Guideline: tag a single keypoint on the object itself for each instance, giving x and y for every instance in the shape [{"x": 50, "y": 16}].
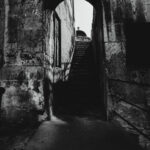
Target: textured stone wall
[
  {"x": 26, "y": 50},
  {"x": 2, "y": 22},
  {"x": 128, "y": 88},
  {"x": 22, "y": 72}
]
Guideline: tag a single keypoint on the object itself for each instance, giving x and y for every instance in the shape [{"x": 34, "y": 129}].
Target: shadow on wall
[
  {"x": 48, "y": 96},
  {"x": 2, "y": 91}
]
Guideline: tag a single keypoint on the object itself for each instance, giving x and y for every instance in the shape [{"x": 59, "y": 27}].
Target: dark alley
[{"x": 74, "y": 75}]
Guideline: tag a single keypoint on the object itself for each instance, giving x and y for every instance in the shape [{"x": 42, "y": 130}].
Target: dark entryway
[
  {"x": 84, "y": 92},
  {"x": 80, "y": 95}
]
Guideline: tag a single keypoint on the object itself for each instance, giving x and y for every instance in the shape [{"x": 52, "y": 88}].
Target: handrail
[
  {"x": 139, "y": 131},
  {"x": 122, "y": 99},
  {"x": 128, "y": 122}
]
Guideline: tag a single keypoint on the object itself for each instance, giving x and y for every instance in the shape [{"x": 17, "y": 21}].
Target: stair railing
[{"x": 115, "y": 113}]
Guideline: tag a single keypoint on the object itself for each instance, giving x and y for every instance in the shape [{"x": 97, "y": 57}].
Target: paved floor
[
  {"x": 15, "y": 138},
  {"x": 80, "y": 134}
]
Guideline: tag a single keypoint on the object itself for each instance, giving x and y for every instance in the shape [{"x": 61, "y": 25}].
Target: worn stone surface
[
  {"x": 23, "y": 99},
  {"x": 21, "y": 75},
  {"x": 26, "y": 57},
  {"x": 2, "y": 24},
  {"x": 24, "y": 43}
]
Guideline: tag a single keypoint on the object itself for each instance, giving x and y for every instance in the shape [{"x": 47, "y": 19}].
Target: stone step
[{"x": 82, "y": 43}]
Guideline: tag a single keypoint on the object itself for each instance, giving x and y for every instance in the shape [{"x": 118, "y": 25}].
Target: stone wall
[
  {"x": 2, "y": 14},
  {"x": 26, "y": 50},
  {"x": 128, "y": 87},
  {"x": 22, "y": 72}
]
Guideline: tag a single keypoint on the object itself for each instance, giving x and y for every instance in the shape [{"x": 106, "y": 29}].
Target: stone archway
[
  {"x": 98, "y": 48},
  {"x": 49, "y": 4}
]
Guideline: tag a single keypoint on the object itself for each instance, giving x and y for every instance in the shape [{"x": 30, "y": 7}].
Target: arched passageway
[
  {"x": 124, "y": 84},
  {"x": 95, "y": 55},
  {"x": 26, "y": 66},
  {"x": 49, "y": 4}
]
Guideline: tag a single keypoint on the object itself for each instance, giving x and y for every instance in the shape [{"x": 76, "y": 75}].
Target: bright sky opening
[{"x": 83, "y": 16}]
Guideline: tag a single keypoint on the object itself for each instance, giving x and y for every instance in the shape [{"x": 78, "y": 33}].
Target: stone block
[
  {"x": 21, "y": 100},
  {"x": 21, "y": 73}
]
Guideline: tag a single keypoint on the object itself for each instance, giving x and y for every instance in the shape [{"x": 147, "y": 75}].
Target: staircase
[{"x": 80, "y": 94}]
